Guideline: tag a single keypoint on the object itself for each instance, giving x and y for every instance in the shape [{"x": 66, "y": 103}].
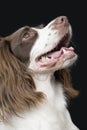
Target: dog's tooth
[
  {"x": 40, "y": 59},
  {"x": 64, "y": 51},
  {"x": 52, "y": 58},
  {"x": 47, "y": 58},
  {"x": 43, "y": 58}
]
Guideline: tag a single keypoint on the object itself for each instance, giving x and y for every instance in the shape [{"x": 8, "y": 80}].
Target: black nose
[{"x": 62, "y": 20}]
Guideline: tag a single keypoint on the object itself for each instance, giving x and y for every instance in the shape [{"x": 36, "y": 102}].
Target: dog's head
[{"x": 44, "y": 49}]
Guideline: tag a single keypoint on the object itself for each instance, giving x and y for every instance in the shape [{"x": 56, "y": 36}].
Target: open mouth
[{"x": 61, "y": 51}]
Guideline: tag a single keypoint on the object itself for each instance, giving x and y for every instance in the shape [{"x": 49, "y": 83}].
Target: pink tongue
[{"x": 54, "y": 54}]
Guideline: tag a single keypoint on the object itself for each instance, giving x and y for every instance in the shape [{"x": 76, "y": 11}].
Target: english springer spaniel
[{"x": 35, "y": 79}]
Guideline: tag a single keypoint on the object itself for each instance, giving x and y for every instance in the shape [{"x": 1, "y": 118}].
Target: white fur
[{"x": 53, "y": 113}]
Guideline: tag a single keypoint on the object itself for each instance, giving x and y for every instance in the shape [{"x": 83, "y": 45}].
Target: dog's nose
[{"x": 62, "y": 20}]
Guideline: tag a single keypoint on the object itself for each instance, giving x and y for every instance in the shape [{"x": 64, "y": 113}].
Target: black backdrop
[{"x": 15, "y": 14}]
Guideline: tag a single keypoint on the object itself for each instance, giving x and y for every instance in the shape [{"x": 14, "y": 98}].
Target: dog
[{"x": 35, "y": 80}]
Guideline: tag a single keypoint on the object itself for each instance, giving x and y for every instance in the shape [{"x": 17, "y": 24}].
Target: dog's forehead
[
  {"x": 22, "y": 29},
  {"x": 30, "y": 28}
]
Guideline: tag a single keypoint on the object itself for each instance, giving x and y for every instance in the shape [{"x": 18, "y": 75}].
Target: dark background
[{"x": 15, "y": 14}]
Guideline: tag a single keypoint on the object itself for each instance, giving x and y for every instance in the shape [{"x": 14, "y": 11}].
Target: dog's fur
[{"x": 35, "y": 81}]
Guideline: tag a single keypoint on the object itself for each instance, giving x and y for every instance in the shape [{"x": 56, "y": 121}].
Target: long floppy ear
[
  {"x": 17, "y": 88},
  {"x": 64, "y": 76}
]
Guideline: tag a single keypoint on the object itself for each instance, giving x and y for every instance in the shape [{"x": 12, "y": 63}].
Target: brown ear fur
[
  {"x": 65, "y": 77},
  {"x": 17, "y": 88}
]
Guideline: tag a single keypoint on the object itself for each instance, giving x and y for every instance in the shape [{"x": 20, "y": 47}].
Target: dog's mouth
[{"x": 58, "y": 53}]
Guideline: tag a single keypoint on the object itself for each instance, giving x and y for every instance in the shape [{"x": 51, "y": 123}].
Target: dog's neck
[
  {"x": 47, "y": 84},
  {"x": 42, "y": 77}
]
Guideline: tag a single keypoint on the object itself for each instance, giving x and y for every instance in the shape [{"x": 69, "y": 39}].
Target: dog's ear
[
  {"x": 17, "y": 88},
  {"x": 21, "y": 42},
  {"x": 2, "y": 42},
  {"x": 64, "y": 76},
  {"x": 40, "y": 26}
]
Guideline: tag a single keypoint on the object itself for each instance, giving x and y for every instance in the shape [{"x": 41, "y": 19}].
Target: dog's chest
[{"x": 48, "y": 115}]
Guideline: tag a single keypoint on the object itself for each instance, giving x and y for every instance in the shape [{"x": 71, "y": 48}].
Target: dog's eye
[{"x": 26, "y": 35}]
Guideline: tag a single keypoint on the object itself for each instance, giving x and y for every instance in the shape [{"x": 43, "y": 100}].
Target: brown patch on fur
[
  {"x": 17, "y": 88},
  {"x": 65, "y": 77}
]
